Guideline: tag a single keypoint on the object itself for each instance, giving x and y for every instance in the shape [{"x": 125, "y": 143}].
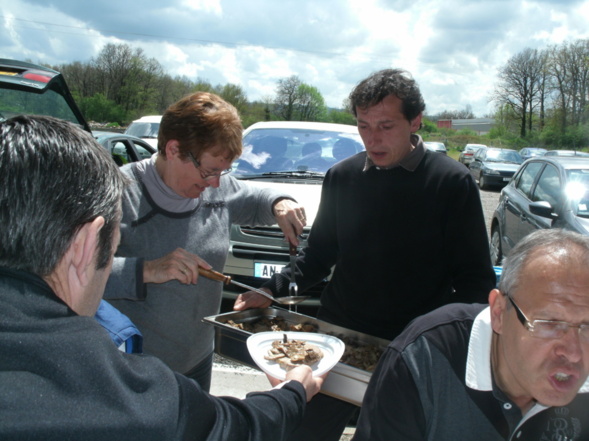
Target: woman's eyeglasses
[{"x": 207, "y": 176}]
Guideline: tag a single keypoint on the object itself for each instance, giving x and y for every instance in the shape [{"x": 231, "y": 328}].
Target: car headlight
[{"x": 490, "y": 171}]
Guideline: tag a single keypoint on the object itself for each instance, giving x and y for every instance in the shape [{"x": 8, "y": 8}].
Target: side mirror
[{"x": 543, "y": 209}]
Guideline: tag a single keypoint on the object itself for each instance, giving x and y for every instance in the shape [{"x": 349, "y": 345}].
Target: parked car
[
  {"x": 31, "y": 89},
  {"x": 293, "y": 157},
  {"x": 467, "y": 154},
  {"x": 565, "y": 153},
  {"x": 124, "y": 148},
  {"x": 147, "y": 128},
  {"x": 547, "y": 192},
  {"x": 531, "y": 152},
  {"x": 494, "y": 167},
  {"x": 436, "y": 147}
]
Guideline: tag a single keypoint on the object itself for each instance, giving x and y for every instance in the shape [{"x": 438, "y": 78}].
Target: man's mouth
[{"x": 561, "y": 377}]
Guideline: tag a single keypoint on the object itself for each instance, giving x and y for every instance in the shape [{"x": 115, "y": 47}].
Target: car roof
[
  {"x": 149, "y": 118},
  {"x": 303, "y": 125},
  {"x": 567, "y": 162}
]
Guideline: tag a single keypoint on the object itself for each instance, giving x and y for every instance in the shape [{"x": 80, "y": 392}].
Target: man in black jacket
[
  {"x": 403, "y": 226},
  {"x": 61, "y": 377}
]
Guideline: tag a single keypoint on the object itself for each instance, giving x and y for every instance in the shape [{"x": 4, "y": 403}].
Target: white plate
[{"x": 259, "y": 344}]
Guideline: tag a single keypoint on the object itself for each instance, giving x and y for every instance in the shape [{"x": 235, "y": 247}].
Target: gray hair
[
  {"x": 567, "y": 245},
  {"x": 54, "y": 178}
]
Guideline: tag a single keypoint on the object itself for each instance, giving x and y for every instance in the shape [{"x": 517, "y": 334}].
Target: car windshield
[
  {"x": 577, "y": 191},
  {"x": 143, "y": 129},
  {"x": 295, "y": 151},
  {"x": 504, "y": 156},
  {"x": 21, "y": 102}
]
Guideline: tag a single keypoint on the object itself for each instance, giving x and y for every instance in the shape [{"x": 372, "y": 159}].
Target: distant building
[{"x": 481, "y": 126}]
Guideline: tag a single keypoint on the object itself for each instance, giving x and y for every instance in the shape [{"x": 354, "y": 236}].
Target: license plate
[
  {"x": 506, "y": 179},
  {"x": 266, "y": 270}
]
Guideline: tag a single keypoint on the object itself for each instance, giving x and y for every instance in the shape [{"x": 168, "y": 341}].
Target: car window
[
  {"x": 283, "y": 149},
  {"x": 143, "y": 152},
  {"x": 577, "y": 190},
  {"x": 20, "y": 102},
  {"x": 143, "y": 129},
  {"x": 549, "y": 187},
  {"x": 120, "y": 152},
  {"x": 526, "y": 178}
]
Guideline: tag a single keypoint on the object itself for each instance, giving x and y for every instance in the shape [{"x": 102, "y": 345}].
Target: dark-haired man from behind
[{"x": 61, "y": 376}]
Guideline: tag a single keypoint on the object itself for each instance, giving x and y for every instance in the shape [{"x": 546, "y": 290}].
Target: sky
[{"x": 453, "y": 48}]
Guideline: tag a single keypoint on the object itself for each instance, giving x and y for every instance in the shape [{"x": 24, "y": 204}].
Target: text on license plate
[
  {"x": 266, "y": 270},
  {"x": 506, "y": 179}
]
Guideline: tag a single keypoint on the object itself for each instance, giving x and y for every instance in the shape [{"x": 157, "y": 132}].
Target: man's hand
[
  {"x": 304, "y": 375},
  {"x": 250, "y": 299},
  {"x": 178, "y": 265},
  {"x": 291, "y": 219}
]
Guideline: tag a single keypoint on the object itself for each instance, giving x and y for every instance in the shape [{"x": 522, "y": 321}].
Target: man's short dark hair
[
  {"x": 54, "y": 179},
  {"x": 383, "y": 83}
]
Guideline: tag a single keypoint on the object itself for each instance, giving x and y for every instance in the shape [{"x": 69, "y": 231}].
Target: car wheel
[
  {"x": 482, "y": 182},
  {"x": 495, "y": 247}
]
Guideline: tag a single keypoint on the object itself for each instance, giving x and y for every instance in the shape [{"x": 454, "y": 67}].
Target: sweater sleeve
[
  {"x": 468, "y": 247},
  {"x": 261, "y": 416},
  {"x": 315, "y": 261},
  {"x": 126, "y": 279},
  {"x": 250, "y": 203}
]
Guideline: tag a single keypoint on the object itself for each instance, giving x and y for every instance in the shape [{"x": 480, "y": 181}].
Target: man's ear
[
  {"x": 416, "y": 123},
  {"x": 497, "y": 303},
  {"x": 83, "y": 253}
]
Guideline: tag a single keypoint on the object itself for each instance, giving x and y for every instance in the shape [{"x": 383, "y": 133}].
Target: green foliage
[
  {"x": 428, "y": 126},
  {"x": 341, "y": 117},
  {"x": 100, "y": 109}
]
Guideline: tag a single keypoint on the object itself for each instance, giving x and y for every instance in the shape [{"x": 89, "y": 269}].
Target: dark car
[
  {"x": 31, "y": 89},
  {"x": 547, "y": 192},
  {"x": 124, "y": 148},
  {"x": 494, "y": 167},
  {"x": 531, "y": 152}
]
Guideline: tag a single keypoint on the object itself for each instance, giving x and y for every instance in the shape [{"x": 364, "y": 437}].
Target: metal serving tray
[{"x": 345, "y": 382}]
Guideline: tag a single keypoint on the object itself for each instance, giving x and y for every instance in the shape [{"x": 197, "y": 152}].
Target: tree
[
  {"x": 234, "y": 94},
  {"x": 296, "y": 100},
  {"x": 287, "y": 95},
  {"x": 310, "y": 105},
  {"x": 520, "y": 82}
]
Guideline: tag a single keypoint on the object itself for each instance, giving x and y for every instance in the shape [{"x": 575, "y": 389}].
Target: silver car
[{"x": 293, "y": 157}]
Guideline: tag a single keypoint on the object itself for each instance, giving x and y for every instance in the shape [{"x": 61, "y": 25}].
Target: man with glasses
[
  {"x": 516, "y": 369},
  {"x": 177, "y": 215}
]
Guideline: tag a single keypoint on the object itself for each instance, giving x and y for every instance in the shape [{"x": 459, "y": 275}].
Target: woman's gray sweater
[{"x": 170, "y": 314}]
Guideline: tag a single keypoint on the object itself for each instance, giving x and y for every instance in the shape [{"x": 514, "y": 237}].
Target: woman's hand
[{"x": 178, "y": 265}]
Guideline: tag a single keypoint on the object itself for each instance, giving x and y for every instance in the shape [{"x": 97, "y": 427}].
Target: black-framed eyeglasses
[
  {"x": 207, "y": 176},
  {"x": 549, "y": 329}
]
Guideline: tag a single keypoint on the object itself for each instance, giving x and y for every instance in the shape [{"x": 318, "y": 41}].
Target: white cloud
[{"x": 452, "y": 47}]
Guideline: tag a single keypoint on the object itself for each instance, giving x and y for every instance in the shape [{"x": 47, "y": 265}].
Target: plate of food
[{"x": 277, "y": 352}]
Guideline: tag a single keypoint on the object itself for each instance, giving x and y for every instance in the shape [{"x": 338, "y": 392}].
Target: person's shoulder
[
  {"x": 354, "y": 163},
  {"x": 444, "y": 164},
  {"x": 447, "y": 322}
]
